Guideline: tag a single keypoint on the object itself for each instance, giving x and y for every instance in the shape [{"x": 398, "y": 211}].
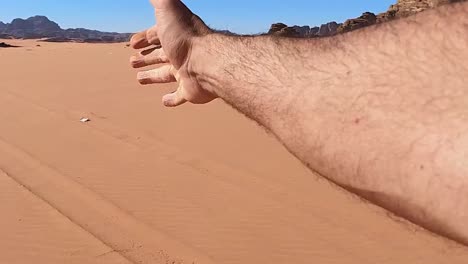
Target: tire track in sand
[
  {"x": 118, "y": 230},
  {"x": 34, "y": 232}
]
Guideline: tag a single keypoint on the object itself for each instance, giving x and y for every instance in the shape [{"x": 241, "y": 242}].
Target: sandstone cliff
[{"x": 402, "y": 8}]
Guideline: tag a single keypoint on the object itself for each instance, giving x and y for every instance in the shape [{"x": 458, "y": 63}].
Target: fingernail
[
  {"x": 135, "y": 61},
  {"x": 142, "y": 78},
  {"x": 167, "y": 101}
]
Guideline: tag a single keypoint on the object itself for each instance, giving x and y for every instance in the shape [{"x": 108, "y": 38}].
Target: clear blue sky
[{"x": 242, "y": 16}]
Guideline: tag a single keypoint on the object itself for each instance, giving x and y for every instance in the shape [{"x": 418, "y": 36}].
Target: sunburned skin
[{"x": 379, "y": 111}]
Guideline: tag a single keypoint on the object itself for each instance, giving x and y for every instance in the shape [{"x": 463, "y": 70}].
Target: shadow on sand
[{"x": 5, "y": 45}]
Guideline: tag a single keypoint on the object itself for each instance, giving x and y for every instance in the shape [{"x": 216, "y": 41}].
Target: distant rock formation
[
  {"x": 275, "y": 28},
  {"x": 280, "y": 29},
  {"x": 39, "y": 27},
  {"x": 402, "y": 8},
  {"x": 328, "y": 29},
  {"x": 225, "y": 32},
  {"x": 366, "y": 19}
]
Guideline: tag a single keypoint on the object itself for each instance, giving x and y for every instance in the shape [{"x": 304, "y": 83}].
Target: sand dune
[{"x": 144, "y": 184}]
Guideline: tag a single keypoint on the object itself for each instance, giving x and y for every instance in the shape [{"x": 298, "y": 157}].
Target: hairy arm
[{"x": 382, "y": 112}]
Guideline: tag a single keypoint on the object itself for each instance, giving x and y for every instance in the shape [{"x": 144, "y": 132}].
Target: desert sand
[{"x": 140, "y": 183}]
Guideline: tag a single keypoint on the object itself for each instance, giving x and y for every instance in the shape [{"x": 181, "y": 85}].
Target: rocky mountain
[
  {"x": 38, "y": 27},
  {"x": 402, "y": 8},
  {"x": 324, "y": 30},
  {"x": 366, "y": 19}
]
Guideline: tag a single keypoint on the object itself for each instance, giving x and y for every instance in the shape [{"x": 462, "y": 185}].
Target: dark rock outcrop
[
  {"x": 302, "y": 31},
  {"x": 38, "y": 27},
  {"x": 366, "y": 19},
  {"x": 277, "y": 27},
  {"x": 280, "y": 29},
  {"x": 404, "y": 8},
  {"x": 328, "y": 29},
  {"x": 33, "y": 27}
]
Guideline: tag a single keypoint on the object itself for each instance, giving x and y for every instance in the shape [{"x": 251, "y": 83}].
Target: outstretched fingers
[
  {"x": 139, "y": 40},
  {"x": 164, "y": 74},
  {"x": 145, "y": 38},
  {"x": 149, "y": 57}
]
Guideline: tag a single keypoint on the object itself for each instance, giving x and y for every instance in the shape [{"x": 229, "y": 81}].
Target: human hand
[{"x": 170, "y": 42}]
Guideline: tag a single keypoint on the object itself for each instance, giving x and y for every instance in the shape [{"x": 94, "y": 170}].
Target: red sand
[{"x": 145, "y": 184}]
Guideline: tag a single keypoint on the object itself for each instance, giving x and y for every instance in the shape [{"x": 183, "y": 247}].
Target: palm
[{"x": 176, "y": 27}]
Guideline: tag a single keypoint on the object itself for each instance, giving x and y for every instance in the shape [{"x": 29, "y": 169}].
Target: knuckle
[{"x": 152, "y": 36}]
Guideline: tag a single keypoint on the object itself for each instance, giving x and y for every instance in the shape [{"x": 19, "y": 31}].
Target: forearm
[{"x": 381, "y": 112}]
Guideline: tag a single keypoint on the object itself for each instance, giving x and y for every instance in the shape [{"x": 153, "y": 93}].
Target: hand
[{"x": 171, "y": 43}]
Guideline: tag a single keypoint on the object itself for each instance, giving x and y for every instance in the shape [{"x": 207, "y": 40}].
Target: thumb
[
  {"x": 175, "y": 99},
  {"x": 171, "y": 6},
  {"x": 176, "y": 11},
  {"x": 162, "y": 4}
]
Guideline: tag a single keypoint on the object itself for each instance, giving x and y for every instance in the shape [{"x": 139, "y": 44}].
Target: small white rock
[{"x": 85, "y": 120}]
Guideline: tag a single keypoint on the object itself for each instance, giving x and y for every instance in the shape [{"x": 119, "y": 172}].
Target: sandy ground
[{"x": 144, "y": 184}]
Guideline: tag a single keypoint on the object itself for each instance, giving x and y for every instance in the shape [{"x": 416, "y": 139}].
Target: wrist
[{"x": 207, "y": 61}]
